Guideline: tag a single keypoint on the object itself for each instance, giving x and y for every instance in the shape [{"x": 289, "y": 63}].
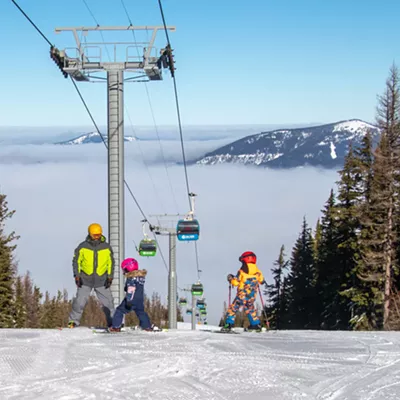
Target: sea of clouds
[{"x": 57, "y": 191}]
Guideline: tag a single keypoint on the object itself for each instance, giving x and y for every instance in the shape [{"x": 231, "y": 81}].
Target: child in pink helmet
[{"x": 134, "y": 299}]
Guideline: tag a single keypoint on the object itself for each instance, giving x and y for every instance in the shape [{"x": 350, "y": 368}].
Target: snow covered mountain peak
[
  {"x": 353, "y": 125},
  {"x": 323, "y": 145},
  {"x": 91, "y": 137}
]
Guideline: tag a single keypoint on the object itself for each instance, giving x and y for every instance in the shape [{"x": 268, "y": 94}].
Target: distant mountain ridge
[
  {"x": 91, "y": 137},
  {"x": 324, "y": 145}
]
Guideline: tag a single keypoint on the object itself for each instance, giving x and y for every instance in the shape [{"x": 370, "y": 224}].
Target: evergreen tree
[
  {"x": 274, "y": 291},
  {"x": 28, "y": 299},
  {"x": 380, "y": 221},
  {"x": 35, "y": 307},
  {"x": 389, "y": 121},
  {"x": 19, "y": 305},
  {"x": 355, "y": 195},
  {"x": 46, "y": 313},
  {"x": 317, "y": 238},
  {"x": 300, "y": 287},
  {"x": 364, "y": 155},
  {"x": 285, "y": 301},
  {"x": 351, "y": 191},
  {"x": 328, "y": 278},
  {"x": 60, "y": 312},
  {"x": 7, "y": 267}
]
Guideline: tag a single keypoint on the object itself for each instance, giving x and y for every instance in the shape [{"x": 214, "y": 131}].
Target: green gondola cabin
[{"x": 148, "y": 248}]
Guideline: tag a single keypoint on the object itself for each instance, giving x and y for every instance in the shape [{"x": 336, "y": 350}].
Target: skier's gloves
[
  {"x": 108, "y": 283},
  {"x": 230, "y": 277},
  {"x": 78, "y": 281}
]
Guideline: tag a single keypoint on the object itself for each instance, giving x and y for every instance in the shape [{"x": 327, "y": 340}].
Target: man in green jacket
[{"x": 93, "y": 268}]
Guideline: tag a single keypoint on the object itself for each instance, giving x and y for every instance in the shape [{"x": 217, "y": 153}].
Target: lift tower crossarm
[{"x": 155, "y": 29}]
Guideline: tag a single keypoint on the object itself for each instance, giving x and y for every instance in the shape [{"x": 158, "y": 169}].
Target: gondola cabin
[
  {"x": 188, "y": 229},
  {"x": 182, "y": 302},
  {"x": 189, "y": 312},
  {"x": 203, "y": 312},
  {"x": 197, "y": 289},
  {"x": 147, "y": 248},
  {"x": 201, "y": 304}
]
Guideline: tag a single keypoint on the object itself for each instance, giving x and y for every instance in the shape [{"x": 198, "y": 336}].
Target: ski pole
[
  {"x": 263, "y": 308},
  {"x": 230, "y": 290}
]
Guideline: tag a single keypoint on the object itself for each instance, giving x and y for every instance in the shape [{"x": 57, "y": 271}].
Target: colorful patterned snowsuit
[{"x": 247, "y": 280}]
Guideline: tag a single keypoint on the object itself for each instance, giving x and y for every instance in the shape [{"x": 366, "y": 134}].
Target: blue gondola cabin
[{"x": 188, "y": 230}]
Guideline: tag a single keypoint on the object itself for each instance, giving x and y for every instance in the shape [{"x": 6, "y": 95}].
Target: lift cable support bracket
[{"x": 78, "y": 63}]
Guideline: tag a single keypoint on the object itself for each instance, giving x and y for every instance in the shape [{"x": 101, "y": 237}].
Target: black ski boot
[{"x": 255, "y": 328}]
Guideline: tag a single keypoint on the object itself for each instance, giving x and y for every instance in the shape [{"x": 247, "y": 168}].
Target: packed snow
[{"x": 72, "y": 364}]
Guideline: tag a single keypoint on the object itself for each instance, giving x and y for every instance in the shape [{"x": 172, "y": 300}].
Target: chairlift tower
[
  {"x": 193, "y": 308},
  {"x": 172, "y": 278},
  {"x": 78, "y": 64}
]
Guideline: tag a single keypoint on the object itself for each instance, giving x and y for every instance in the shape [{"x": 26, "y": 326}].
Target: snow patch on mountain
[{"x": 333, "y": 153}]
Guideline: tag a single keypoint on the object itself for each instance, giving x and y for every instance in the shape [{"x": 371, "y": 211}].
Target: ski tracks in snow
[
  {"x": 184, "y": 365},
  {"x": 378, "y": 372}
]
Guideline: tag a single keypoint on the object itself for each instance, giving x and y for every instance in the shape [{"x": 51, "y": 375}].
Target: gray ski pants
[{"x": 82, "y": 296}]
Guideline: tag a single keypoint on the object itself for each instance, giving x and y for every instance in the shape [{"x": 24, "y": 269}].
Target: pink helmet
[{"x": 129, "y": 264}]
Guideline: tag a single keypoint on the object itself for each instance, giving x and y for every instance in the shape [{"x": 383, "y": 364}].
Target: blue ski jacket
[{"x": 134, "y": 287}]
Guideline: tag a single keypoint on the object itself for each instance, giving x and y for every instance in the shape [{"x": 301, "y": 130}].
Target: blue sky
[{"x": 258, "y": 62}]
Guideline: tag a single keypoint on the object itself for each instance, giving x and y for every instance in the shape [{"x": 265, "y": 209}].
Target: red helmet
[{"x": 248, "y": 257}]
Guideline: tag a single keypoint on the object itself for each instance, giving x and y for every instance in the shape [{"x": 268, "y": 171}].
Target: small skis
[
  {"x": 256, "y": 330},
  {"x": 233, "y": 331},
  {"x": 229, "y": 331}
]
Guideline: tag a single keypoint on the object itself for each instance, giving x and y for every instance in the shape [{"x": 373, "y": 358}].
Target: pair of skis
[
  {"x": 123, "y": 330},
  {"x": 233, "y": 331}
]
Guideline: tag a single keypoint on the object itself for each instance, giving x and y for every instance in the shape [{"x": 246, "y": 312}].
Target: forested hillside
[{"x": 344, "y": 274}]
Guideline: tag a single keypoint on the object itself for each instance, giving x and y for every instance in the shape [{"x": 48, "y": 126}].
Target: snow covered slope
[
  {"x": 185, "y": 365},
  {"x": 324, "y": 145},
  {"x": 92, "y": 137}
]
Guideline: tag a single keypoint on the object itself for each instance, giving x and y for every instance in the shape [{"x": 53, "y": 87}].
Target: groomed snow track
[{"x": 184, "y": 365}]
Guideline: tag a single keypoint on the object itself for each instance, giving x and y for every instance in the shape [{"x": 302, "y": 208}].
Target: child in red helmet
[
  {"x": 247, "y": 280},
  {"x": 134, "y": 299}
]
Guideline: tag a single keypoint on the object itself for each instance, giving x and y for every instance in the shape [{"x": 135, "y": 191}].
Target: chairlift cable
[
  {"x": 180, "y": 131},
  {"x": 177, "y": 110},
  {"x": 127, "y": 112},
  {"x": 34, "y": 25},
  {"x": 152, "y": 114}
]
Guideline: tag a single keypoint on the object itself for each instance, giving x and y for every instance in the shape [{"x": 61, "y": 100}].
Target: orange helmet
[
  {"x": 95, "y": 230},
  {"x": 248, "y": 257}
]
